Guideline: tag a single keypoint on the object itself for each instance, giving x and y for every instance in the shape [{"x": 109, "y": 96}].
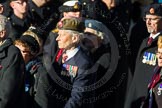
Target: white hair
[{"x": 3, "y": 22}]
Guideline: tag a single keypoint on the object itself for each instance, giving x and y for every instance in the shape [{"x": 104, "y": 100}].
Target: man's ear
[
  {"x": 12, "y": 4},
  {"x": 75, "y": 38},
  {"x": 2, "y": 33},
  {"x": 1, "y": 9}
]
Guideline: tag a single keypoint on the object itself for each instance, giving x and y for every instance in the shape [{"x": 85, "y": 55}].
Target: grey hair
[
  {"x": 74, "y": 33},
  {"x": 4, "y": 24}
]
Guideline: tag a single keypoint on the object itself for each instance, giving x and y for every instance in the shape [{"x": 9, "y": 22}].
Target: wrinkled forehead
[
  {"x": 20, "y": 0},
  {"x": 63, "y": 31},
  {"x": 152, "y": 16}
]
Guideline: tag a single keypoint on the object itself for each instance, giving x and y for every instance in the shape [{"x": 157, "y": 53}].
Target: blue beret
[
  {"x": 94, "y": 24},
  {"x": 97, "y": 28}
]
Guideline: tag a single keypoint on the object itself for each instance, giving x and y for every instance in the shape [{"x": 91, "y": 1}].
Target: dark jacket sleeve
[
  {"x": 81, "y": 91},
  {"x": 11, "y": 79}
]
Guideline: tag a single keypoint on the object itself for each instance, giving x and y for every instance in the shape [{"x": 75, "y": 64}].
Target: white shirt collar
[
  {"x": 154, "y": 36},
  {"x": 71, "y": 53}
]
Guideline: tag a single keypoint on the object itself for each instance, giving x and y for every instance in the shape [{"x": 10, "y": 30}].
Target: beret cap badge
[
  {"x": 90, "y": 25},
  {"x": 60, "y": 24},
  {"x": 152, "y": 11},
  {"x": 76, "y": 6}
]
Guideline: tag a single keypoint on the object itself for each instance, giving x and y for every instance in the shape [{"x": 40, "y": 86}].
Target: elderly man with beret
[
  {"x": 146, "y": 59},
  {"x": 67, "y": 82},
  {"x": 70, "y": 8}
]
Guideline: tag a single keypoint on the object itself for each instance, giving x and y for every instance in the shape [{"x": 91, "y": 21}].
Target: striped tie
[{"x": 150, "y": 39}]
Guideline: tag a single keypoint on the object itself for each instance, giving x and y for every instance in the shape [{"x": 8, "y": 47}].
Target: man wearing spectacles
[
  {"x": 152, "y": 19},
  {"x": 146, "y": 59},
  {"x": 20, "y": 22}
]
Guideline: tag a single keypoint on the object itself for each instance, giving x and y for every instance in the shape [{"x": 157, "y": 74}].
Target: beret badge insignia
[
  {"x": 152, "y": 11},
  {"x": 76, "y": 6}
]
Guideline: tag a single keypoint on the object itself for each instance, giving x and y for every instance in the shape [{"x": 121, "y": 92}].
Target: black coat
[
  {"x": 154, "y": 97},
  {"x": 51, "y": 92},
  {"x": 44, "y": 18},
  {"x": 11, "y": 76},
  {"x": 34, "y": 69},
  {"x": 18, "y": 26},
  {"x": 142, "y": 75}
]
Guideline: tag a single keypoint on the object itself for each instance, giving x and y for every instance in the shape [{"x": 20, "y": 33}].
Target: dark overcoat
[
  {"x": 11, "y": 76},
  {"x": 142, "y": 75},
  {"x": 61, "y": 89}
]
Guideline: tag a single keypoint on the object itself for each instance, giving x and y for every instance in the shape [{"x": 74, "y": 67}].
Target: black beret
[
  {"x": 153, "y": 9},
  {"x": 75, "y": 24},
  {"x": 31, "y": 42},
  {"x": 70, "y": 6}
]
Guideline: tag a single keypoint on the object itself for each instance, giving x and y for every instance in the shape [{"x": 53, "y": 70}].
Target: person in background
[
  {"x": 32, "y": 32},
  {"x": 44, "y": 15},
  {"x": 29, "y": 48},
  {"x": 4, "y": 8},
  {"x": 146, "y": 58},
  {"x": 20, "y": 22},
  {"x": 11, "y": 70},
  {"x": 100, "y": 43},
  {"x": 95, "y": 40},
  {"x": 71, "y": 8},
  {"x": 155, "y": 85}
]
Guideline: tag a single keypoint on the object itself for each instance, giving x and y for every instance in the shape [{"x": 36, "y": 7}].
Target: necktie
[
  {"x": 64, "y": 57},
  {"x": 59, "y": 54},
  {"x": 150, "y": 39}
]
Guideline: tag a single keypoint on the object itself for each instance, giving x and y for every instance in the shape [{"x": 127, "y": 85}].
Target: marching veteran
[
  {"x": 67, "y": 83},
  {"x": 146, "y": 59}
]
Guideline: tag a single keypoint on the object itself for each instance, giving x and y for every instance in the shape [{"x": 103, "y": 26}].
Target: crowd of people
[{"x": 80, "y": 54}]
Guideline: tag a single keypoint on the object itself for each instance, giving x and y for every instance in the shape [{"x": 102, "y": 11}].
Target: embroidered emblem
[
  {"x": 152, "y": 11},
  {"x": 149, "y": 58},
  {"x": 159, "y": 90},
  {"x": 90, "y": 25},
  {"x": 69, "y": 70}
]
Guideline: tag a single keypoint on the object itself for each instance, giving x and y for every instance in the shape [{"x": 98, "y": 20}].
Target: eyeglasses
[
  {"x": 152, "y": 19},
  {"x": 20, "y": 2}
]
